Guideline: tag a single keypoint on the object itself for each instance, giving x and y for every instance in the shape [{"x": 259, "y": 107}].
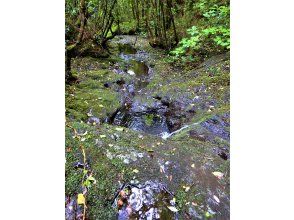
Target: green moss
[
  {"x": 148, "y": 119},
  {"x": 91, "y": 95},
  {"x": 106, "y": 172}
]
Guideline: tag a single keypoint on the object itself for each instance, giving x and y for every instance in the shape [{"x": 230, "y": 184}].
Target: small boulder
[{"x": 94, "y": 120}]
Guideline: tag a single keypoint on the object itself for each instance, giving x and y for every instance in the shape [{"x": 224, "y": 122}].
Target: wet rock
[
  {"x": 73, "y": 211},
  {"x": 106, "y": 85},
  {"x": 146, "y": 201},
  {"x": 80, "y": 165},
  {"x": 70, "y": 209},
  {"x": 198, "y": 135},
  {"x": 165, "y": 102},
  {"x": 223, "y": 152},
  {"x": 194, "y": 214},
  {"x": 124, "y": 214},
  {"x": 126, "y": 48},
  {"x": 131, "y": 89},
  {"x": 157, "y": 97},
  {"x": 223, "y": 155},
  {"x": 94, "y": 120},
  {"x": 120, "y": 81},
  {"x": 174, "y": 123},
  {"x": 217, "y": 126}
]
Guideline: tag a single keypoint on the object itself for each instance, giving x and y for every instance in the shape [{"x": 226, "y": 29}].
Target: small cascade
[{"x": 166, "y": 135}]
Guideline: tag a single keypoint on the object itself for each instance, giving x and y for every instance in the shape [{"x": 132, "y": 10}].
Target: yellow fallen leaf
[
  {"x": 119, "y": 129},
  {"x": 103, "y": 136},
  {"x": 81, "y": 199}
]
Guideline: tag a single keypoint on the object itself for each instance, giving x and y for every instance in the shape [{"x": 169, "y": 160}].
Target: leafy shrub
[{"x": 213, "y": 37}]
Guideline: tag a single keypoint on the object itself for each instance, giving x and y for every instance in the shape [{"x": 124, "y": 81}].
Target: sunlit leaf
[{"x": 81, "y": 199}]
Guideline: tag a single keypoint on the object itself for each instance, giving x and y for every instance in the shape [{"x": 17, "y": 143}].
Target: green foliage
[{"x": 210, "y": 35}]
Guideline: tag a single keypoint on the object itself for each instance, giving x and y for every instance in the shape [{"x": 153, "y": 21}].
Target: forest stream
[{"x": 153, "y": 147}]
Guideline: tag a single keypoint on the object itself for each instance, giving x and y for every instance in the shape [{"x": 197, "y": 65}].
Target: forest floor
[{"x": 150, "y": 139}]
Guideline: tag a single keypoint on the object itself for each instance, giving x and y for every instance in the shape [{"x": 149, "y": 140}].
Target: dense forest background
[{"x": 188, "y": 30}]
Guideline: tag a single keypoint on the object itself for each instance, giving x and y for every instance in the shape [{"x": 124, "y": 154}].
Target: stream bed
[{"x": 169, "y": 130}]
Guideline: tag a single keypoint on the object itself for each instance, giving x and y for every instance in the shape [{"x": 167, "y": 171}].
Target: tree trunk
[{"x": 71, "y": 49}]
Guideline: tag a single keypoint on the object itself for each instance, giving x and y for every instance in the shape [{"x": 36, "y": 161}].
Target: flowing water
[
  {"x": 145, "y": 201},
  {"x": 152, "y": 120},
  {"x": 149, "y": 200}
]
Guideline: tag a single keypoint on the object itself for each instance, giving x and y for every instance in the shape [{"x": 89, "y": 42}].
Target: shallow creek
[{"x": 185, "y": 164}]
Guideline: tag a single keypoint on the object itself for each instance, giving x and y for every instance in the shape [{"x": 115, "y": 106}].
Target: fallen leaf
[
  {"x": 120, "y": 203},
  {"x": 119, "y": 129},
  {"x": 193, "y": 165},
  {"x": 103, "y": 136},
  {"x": 216, "y": 199},
  {"x": 218, "y": 174},
  {"x": 187, "y": 188},
  {"x": 81, "y": 199},
  {"x": 131, "y": 72},
  {"x": 135, "y": 171},
  {"x": 173, "y": 209},
  {"x": 101, "y": 106}
]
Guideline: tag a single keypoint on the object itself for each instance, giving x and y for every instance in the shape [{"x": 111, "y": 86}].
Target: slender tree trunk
[
  {"x": 71, "y": 49},
  {"x": 163, "y": 24},
  {"x": 169, "y": 4}
]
